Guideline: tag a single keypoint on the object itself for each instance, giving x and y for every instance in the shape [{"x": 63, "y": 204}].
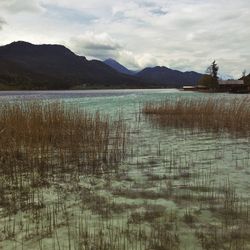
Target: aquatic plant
[{"x": 208, "y": 114}]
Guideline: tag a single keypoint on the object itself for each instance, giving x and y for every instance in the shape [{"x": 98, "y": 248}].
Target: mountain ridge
[
  {"x": 160, "y": 75},
  {"x": 169, "y": 77},
  {"x": 24, "y": 65},
  {"x": 56, "y": 67},
  {"x": 119, "y": 67}
]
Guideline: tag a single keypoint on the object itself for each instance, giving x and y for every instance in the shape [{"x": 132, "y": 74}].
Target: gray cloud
[
  {"x": 154, "y": 7},
  {"x": 103, "y": 46},
  {"x": 16, "y": 6},
  {"x": 2, "y": 22},
  {"x": 159, "y": 11},
  {"x": 69, "y": 14},
  {"x": 183, "y": 34},
  {"x": 94, "y": 45}
]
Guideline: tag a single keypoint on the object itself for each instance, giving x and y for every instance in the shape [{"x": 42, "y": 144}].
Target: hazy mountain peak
[
  {"x": 111, "y": 60},
  {"x": 118, "y": 67}
]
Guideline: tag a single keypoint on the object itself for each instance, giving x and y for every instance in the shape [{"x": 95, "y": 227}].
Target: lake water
[
  {"x": 230, "y": 156},
  {"x": 194, "y": 165}
]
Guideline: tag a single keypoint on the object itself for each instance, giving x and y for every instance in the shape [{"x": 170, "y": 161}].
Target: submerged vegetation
[
  {"x": 72, "y": 179},
  {"x": 207, "y": 114}
]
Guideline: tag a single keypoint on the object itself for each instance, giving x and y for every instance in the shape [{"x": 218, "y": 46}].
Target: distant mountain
[
  {"x": 28, "y": 66},
  {"x": 118, "y": 67},
  {"x": 169, "y": 77},
  {"x": 159, "y": 75}
]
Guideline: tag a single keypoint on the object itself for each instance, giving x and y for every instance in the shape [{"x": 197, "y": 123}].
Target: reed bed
[
  {"x": 64, "y": 184},
  {"x": 207, "y": 114},
  {"x": 45, "y": 151},
  {"x": 50, "y": 137},
  {"x": 42, "y": 145}
]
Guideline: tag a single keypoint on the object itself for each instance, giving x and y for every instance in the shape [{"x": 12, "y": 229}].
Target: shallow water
[
  {"x": 232, "y": 154},
  {"x": 192, "y": 163}
]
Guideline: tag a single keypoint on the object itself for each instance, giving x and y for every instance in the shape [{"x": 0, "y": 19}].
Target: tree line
[{"x": 211, "y": 78}]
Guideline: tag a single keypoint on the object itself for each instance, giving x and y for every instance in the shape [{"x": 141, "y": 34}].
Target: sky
[{"x": 179, "y": 34}]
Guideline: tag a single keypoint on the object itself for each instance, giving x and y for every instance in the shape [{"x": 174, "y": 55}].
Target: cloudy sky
[{"x": 180, "y": 34}]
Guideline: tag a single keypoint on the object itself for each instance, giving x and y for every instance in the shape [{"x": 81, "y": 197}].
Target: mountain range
[
  {"x": 27, "y": 66},
  {"x": 162, "y": 76},
  {"x": 118, "y": 67},
  {"x": 169, "y": 77}
]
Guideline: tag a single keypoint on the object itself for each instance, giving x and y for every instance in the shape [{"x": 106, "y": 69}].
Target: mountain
[
  {"x": 27, "y": 66},
  {"x": 118, "y": 67},
  {"x": 168, "y": 77},
  {"x": 160, "y": 76}
]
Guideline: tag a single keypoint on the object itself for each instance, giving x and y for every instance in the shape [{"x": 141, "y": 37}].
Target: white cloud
[
  {"x": 136, "y": 61},
  {"x": 103, "y": 46}
]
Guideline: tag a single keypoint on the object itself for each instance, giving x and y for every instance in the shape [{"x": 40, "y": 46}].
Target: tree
[
  {"x": 245, "y": 77},
  {"x": 213, "y": 69},
  {"x": 247, "y": 80},
  {"x": 210, "y": 80}
]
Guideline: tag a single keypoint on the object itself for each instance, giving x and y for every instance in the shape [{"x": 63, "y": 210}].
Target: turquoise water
[
  {"x": 166, "y": 165},
  {"x": 228, "y": 156}
]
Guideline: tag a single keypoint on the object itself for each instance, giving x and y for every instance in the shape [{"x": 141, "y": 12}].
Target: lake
[{"x": 189, "y": 188}]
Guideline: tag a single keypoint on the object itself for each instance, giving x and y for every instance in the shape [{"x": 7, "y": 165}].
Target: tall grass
[
  {"x": 50, "y": 136},
  {"x": 208, "y": 114}
]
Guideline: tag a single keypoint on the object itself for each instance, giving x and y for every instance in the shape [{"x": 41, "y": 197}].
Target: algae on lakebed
[{"x": 175, "y": 189}]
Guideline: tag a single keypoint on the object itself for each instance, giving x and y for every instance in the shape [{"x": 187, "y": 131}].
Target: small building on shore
[
  {"x": 233, "y": 86},
  {"x": 189, "y": 88},
  {"x": 231, "y": 83},
  {"x": 195, "y": 88}
]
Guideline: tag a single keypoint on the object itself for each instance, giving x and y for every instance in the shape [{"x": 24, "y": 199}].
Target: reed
[
  {"x": 207, "y": 114},
  {"x": 44, "y": 144},
  {"x": 48, "y": 137},
  {"x": 44, "y": 150},
  {"x": 64, "y": 185}
]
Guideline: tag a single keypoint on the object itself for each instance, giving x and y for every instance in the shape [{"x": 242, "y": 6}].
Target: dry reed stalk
[
  {"x": 208, "y": 114},
  {"x": 43, "y": 142},
  {"x": 47, "y": 136}
]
